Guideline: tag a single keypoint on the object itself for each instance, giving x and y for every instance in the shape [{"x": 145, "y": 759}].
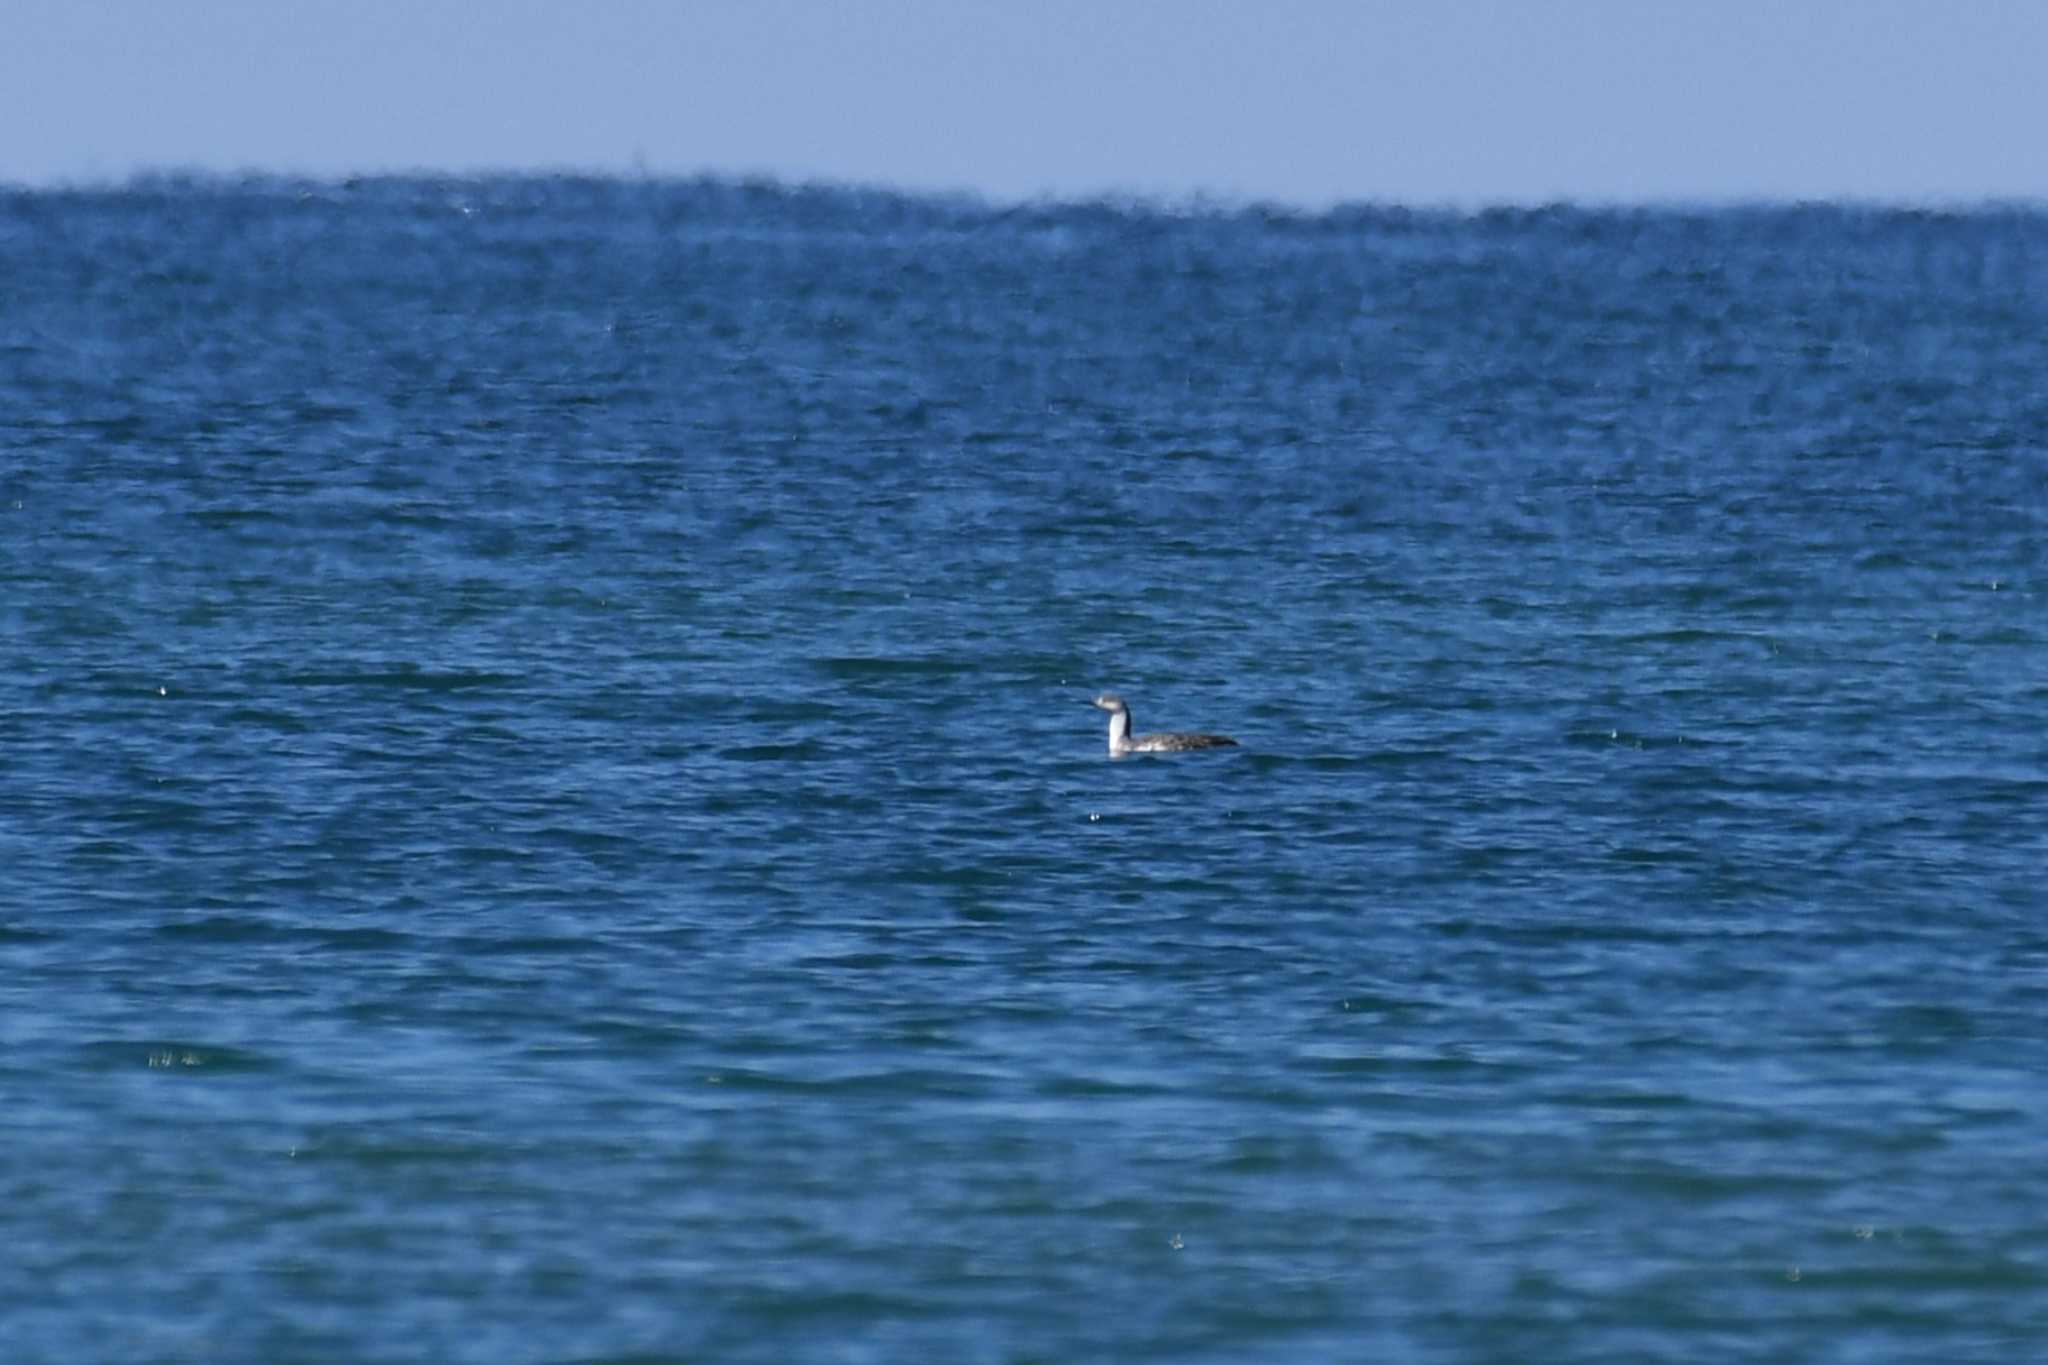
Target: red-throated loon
[{"x": 1122, "y": 741}]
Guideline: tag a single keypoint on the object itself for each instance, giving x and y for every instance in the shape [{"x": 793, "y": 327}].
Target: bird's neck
[{"x": 1119, "y": 730}]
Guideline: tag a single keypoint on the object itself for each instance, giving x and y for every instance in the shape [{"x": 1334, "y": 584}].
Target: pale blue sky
[{"x": 1305, "y": 101}]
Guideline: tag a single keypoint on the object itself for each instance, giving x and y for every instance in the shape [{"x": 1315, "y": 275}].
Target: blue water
[{"x": 548, "y": 810}]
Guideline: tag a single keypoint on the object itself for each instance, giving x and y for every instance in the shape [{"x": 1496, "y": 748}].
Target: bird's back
[{"x": 1172, "y": 741}]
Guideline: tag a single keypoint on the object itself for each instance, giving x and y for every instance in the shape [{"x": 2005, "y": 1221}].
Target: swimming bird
[{"x": 1122, "y": 741}]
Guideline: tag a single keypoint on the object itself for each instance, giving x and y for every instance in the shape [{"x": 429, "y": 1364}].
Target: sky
[{"x": 1303, "y": 102}]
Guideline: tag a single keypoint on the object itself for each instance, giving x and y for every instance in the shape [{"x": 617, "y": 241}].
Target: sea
[{"x": 550, "y": 810}]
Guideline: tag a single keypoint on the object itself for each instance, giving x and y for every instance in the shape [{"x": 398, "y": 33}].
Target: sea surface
[{"x": 549, "y": 811}]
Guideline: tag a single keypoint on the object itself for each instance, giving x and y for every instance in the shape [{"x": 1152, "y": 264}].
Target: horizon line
[{"x": 1177, "y": 202}]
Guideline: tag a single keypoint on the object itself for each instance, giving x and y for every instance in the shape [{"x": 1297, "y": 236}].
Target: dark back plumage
[{"x": 1171, "y": 741}]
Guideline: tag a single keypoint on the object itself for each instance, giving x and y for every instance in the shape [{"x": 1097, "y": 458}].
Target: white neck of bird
[{"x": 1119, "y": 729}]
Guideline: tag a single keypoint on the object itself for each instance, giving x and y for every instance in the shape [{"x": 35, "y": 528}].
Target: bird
[{"x": 1122, "y": 741}]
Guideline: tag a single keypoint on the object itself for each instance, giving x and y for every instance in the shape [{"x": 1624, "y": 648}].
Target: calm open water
[{"x": 548, "y": 811}]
